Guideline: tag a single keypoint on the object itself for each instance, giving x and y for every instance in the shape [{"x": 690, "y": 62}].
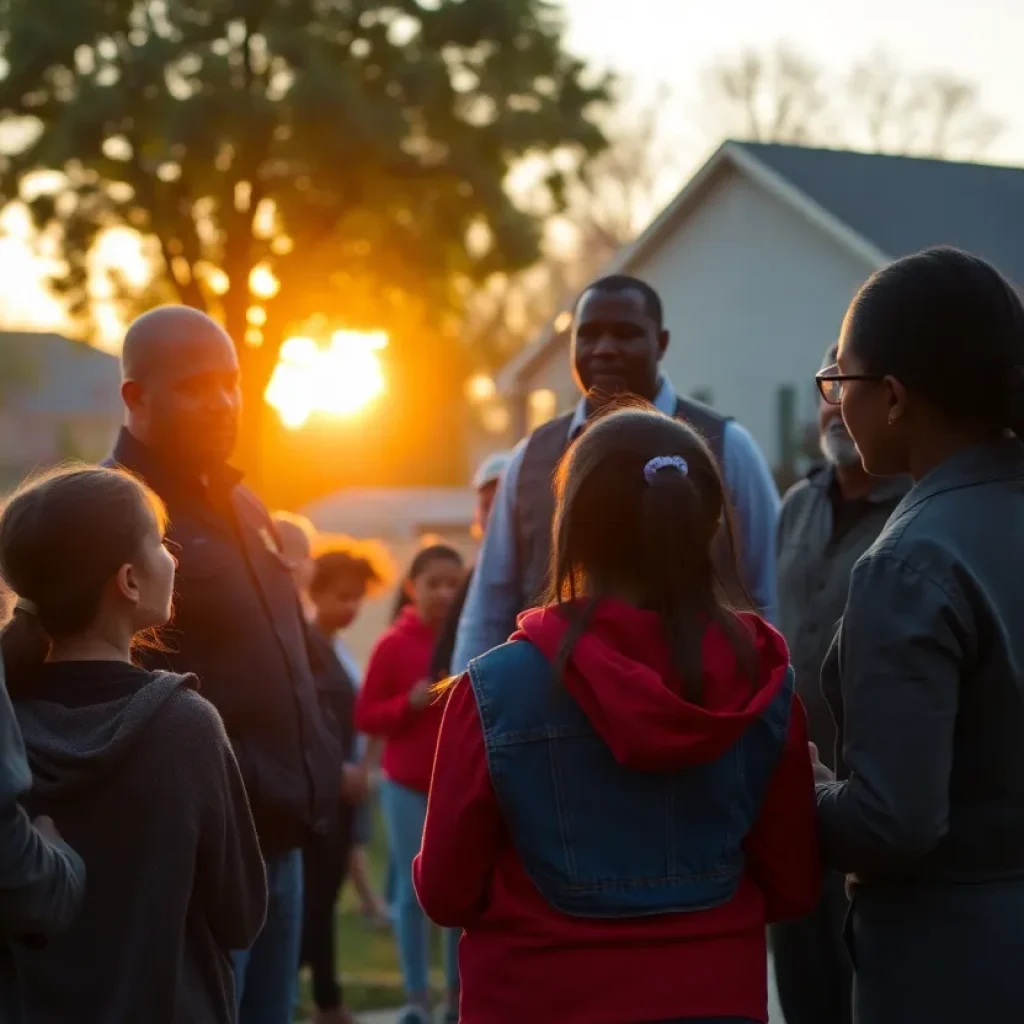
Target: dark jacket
[
  {"x": 238, "y": 625},
  {"x": 926, "y": 681},
  {"x": 336, "y": 691},
  {"x": 137, "y": 770},
  {"x": 41, "y": 883}
]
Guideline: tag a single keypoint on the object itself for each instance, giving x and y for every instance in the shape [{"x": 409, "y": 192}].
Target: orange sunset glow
[{"x": 341, "y": 379}]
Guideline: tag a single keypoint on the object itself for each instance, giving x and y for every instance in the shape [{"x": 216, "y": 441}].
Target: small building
[
  {"x": 396, "y": 514},
  {"x": 756, "y": 261},
  {"x": 59, "y": 399}
]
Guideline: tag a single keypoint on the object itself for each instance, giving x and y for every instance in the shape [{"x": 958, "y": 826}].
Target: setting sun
[{"x": 340, "y": 379}]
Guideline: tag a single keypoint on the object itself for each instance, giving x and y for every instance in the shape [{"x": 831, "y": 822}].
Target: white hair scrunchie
[{"x": 660, "y": 462}]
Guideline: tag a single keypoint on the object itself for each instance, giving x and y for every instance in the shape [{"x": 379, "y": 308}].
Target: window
[
  {"x": 788, "y": 432},
  {"x": 541, "y": 406}
]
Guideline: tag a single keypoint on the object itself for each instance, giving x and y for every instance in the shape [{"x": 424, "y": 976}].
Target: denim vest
[{"x": 602, "y": 841}]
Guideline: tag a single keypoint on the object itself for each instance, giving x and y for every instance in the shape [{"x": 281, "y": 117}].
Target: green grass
[{"x": 367, "y": 958}]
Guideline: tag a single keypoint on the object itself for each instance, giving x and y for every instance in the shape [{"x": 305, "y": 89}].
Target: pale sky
[{"x": 669, "y": 42}]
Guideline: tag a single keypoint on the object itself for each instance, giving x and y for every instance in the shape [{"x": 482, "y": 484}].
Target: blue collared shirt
[{"x": 496, "y": 592}]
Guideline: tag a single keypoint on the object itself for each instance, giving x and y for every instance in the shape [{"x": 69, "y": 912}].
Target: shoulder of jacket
[
  {"x": 189, "y": 704},
  {"x": 513, "y": 654},
  {"x": 248, "y": 500},
  {"x": 393, "y": 638},
  {"x": 694, "y": 407},
  {"x": 802, "y": 491}
]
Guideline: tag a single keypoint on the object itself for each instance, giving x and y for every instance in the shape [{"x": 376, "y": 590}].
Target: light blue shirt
[
  {"x": 348, "y": 661},
  {"x": 495, "y": 595},
  {"x": 355, "y": 673}
]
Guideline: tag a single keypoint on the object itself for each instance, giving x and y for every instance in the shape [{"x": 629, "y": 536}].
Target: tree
[
  {"x": 624, "y": 186},
  {"x": 782, "y": 96},
  {"x": 924, "y": 115},
  {"x": 775, "y": 96},
  {"x": 278, "y": 154}
]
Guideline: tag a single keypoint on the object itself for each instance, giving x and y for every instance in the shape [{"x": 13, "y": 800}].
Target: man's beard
[{"x": 838, "y": 447}]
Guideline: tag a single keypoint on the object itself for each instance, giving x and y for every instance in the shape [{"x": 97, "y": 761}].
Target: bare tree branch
[{"x": 781, "y": 96}]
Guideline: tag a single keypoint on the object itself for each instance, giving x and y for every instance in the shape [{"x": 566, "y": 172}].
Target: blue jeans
[
  {"x": 266, "y": 976},
  {"x": 405, "y": 810}
]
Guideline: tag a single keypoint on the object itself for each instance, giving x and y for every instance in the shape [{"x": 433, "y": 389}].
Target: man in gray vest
[{"x": 618, "y": 340}]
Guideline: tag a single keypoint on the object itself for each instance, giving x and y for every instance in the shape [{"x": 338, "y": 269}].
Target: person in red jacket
[
  {"x": 623, "y": 795},
  {"x": 397, "y": 703}
]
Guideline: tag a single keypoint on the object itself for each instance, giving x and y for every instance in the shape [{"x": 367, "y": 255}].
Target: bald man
[{"x": 238, "y": 624}]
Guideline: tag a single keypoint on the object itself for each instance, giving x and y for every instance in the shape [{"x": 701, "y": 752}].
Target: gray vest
[{"x": 535, "y": 496}]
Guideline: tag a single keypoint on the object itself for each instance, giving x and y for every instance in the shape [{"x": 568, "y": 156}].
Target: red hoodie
[
  {"x": 399, "y": 661},
  {"x": 522, "y": 960}
]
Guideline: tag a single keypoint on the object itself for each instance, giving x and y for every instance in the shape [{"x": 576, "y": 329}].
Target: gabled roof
[
  {"x": 903, "y": 204},
  {"x": 879, "y": 207},
  {"x": 54, "y": 376}
]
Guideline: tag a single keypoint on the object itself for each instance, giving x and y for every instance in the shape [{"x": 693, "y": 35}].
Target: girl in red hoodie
[
  {"x": 623, "y": 796},
  {"x": 397, "y": 704}
]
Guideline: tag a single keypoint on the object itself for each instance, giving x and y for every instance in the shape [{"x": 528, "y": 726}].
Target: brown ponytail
[
  {"x": 24, "y": 647},
  {"x": 642, "y": 510}
]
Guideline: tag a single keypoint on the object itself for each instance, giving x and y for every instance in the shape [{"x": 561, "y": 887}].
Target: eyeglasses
[{"x": 830, "y": 382}]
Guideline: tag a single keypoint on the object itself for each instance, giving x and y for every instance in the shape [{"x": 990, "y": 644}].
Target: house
[
  {"x": 59, "y": 399},
  {"x": 756, "y": 261}
]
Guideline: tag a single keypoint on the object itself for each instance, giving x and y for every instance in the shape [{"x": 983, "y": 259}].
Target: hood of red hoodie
[{"x": 620, "y": 673}]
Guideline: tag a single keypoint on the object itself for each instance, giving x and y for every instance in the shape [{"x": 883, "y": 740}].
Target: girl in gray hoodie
[{"x": 133, "y": 766}]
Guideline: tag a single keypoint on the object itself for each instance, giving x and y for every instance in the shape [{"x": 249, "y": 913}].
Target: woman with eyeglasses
[{"x": 926, "y": 675}]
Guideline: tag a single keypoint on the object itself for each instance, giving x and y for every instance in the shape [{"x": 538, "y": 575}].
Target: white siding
[
  {"x": 554, "y": 372},
  {"x": 754, "y": 294}
]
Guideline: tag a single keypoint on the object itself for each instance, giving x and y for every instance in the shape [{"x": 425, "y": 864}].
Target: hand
[
  {"x": 821, "y": 772},
  {"x": 46, "y": 828},
  {"x": 355, "y": 783},
  {"x": 420, "y": 695}
]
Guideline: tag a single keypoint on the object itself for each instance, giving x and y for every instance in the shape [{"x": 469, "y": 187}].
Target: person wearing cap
[
  {"x": 485, "y": 483},
  {"x": 828, "y": 520}
]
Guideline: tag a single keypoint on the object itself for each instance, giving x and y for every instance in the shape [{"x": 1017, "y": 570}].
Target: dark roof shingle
[{"x": 905, "y": 204}]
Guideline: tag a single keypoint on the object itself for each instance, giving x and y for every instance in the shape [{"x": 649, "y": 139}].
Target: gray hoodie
[{"x": 138, "y": 773}]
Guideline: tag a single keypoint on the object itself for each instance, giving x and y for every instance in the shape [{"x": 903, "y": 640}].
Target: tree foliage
[{"x": 354, "y": 149}]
